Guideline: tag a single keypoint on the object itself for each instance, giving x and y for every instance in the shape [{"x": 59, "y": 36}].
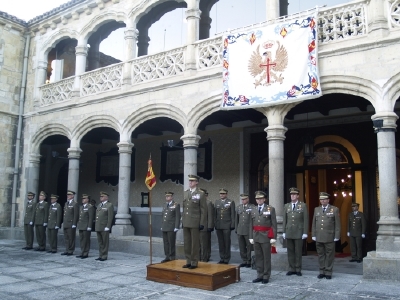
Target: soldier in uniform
[
  {"x": 325, "y": 232},
  {"x": 85, "y": 223},
  {"x": 224, "y": 223},
  {"x": 356, "y": 228},
  {"x": 194, "y": 220},
  {"x": 295, "y": 229},
  {"x": 262, "y": 234},
  {"x": 104, "y": 218},
  {"x": 71, "y": 215},
  {"x": 54, "y": 223},
  {"x": 41, "y": 217},
  {"x": 205, "y": 235},
  {"x": 29, "y": 221},
  {"x": 170, "y": 225},
  {"x": 242, "y": 224}
]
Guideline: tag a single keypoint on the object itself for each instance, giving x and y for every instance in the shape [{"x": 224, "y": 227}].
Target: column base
[
  {"x": 381, "y": 268},
  {"x": 122, "y": 230}
]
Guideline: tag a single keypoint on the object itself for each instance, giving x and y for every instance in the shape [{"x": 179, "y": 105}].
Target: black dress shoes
[
  {"x": 192, "y": 267},
  {"x": 54, "y": 251},
  {"x": 69, "y": 254},
  {"x": 248, "y": 266},
  {"x": 25, "y": 248},
  {"x": 186, "y": 266},
  {"x": 64, "y": 253},
  {"x": 37, "y": 249},
  {"x": 328, "y": 276},
  {"x": 28, "y": 248},
  {"x": 242, "y": 265},
  {"x": 83, "y": 257},
  {"x": 49, "y": 251},
  {"x": 165, "y": 260},
  {"x": 299, "y": 274},
  {"x": 320, "y": 276},
  {"x": 98, "y": 258},
  {"x": 264, "y": 281},
  {"x": 352, "y": 260},
  {"x": 290, "y": 273},
  {"x": 359, "y": 260},
  {"x": 102, "y": 259},
  {"x": 42, "y": 250},
  {"x": 220, "y": 262},
  {"x": 78, "y": 256},
  {"x": 257, "y": 280}
]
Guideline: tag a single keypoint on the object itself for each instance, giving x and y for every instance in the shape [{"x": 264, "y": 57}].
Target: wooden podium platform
[{"x": 206, "y": 276}]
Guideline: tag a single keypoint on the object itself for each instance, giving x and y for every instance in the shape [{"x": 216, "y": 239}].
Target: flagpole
[
  {"x": 150, "y": 182},
  {"x": 150, "y": 231}
]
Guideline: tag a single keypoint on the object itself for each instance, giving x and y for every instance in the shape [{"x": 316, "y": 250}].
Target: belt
[{"x": 265, "y": 228}]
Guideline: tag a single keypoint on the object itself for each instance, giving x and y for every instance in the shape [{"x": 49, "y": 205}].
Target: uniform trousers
[
  {"x": 326, "y": 256},
  {"x": 41, "y": 236},
  {"x": 169, "y": 240},
  {"x": 294, "y": 253},
  {"x": 191, "y": 244},
  {"x": 69, "y": 236},
  {"x": 245, "y": 248},
  {"x": 224, "y": 244},
  {"x": 103, "y": 238},
  {"x": 28, "y": 230},
  {"x": 356, "y": 247},
  {"x": 205, "y": 245},
  {"x": 262, "y": 253},
  {"x": 84, "y": 242},
  {"x": 52, "y": 234}
]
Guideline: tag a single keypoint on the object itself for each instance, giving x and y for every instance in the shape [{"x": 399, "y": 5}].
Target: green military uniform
[
  {"x": 85, "y": 222},
  {"x": 104, "y": 218},
  {"x": 170, "y": 224},
  {"x": 356, "y": 228},
  {"x": 224, "y": 223},
  {"x": 262, "y": 230},
  {"x": 53, "y": 224},
  {"x": 194, "y": 219},
  {"x": 71, "y": 215},
  {"x": 295, "y": 229},
  {"x": 29, "y": 220},
  {"x": 325, "y": 231},
  {"x": 41, "y": 217},
  {"x": 242, "y": 224},
  {"x": 205, "y": 235}
]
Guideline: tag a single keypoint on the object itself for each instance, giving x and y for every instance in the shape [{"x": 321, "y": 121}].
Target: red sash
[{"x": 265, "y": 228}]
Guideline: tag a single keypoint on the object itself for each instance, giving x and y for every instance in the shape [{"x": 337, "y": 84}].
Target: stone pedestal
[{"x": 122, "y": 230}]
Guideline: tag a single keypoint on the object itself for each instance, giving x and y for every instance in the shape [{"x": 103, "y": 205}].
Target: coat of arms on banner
[{"x": 271, "y": 65}]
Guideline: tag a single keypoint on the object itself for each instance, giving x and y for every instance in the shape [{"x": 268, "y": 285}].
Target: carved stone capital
[
  {"x": 190, "y": 140},
  {"x": 81, "y": 50},
  {"x": 125, "y": 147},
  {"x": 276, "y": 132},
  {"x": 74, "y": 153}
]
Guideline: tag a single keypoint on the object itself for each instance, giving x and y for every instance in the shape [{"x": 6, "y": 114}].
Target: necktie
[
  {"x": 259, "y": 209},
  {"x": 101, "y": 205},
  {"x": 293, "y": 206},
  {"x": 323, "y": 210}
]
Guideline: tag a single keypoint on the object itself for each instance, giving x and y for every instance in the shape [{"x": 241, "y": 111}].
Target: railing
[
  {"x": 161, "y": 65},
  {"x": 55, "y": 92},
  {"x": 209, "y": 53},
  {"x": 342, "y": 22},
  {"x": 101, "y": 80}
]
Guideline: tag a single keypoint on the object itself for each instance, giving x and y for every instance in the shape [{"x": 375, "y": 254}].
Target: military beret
[
  {"x": 223, "y": 191},
  {"x": 43, "y": 194},
  {"x": 194, "y": 177},
  {"x": 85, "y": 196},
  {"x": 355, "y": 204},
  {"x": 323, "y": 196},
  {"x": 69, "y": 192},
  {"x": 104, "y": 194},
  {"x": 31, "y": 194},
  {"x": 54, "y": 196},
  {"x": 260, "y": 194},
  {"x": 169, "y": 193},
  {"x": 244, "y": 196},
  {"x": 294, "y": 190}
]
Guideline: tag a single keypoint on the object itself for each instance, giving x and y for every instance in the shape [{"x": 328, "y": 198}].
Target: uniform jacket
[
  {"x": 266, "y": 217},
  {"x": 210, "y": 214},
  {"x": 55, "y": 216},
  {"x": 41, "y": 213},
  {"x": 295, "y": 222},
  {"x": 171, "y": 217},
  {"x": 86, "y": 217},
  {"x": 242, "y": 218},
  {"x": 30, "y": 212},
  {"x": 357, "y": 224},
  {"x": 71, "y": 214},
  {"x": 104, "y": 216},
  {"x": 326, "y": 226},
  {"x": 224, "y": 214},
  {"x": 194, "y": 209}
]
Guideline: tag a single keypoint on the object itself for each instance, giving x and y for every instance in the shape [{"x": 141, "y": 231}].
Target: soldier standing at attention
[
  {"x": 170, "y": 225},
  {"x": 295, "y": 229},
  {"x": 325, "y": 232},
  {"x": 262, "y": 235},
  {"x": 205, "y": 235},
  {"x": 41, "y": 216},
  {"x": 71, "y": 215},
  {"x": 242, "y": 224},
  {"x": 194, "y": 220},
  {"x": 54, "y": 223},
  {"x": 29, "y": 220},
  {"x": 224, "y": 223},
  {"x": 85, "y": 222},
  {"x": 104, "y": 218},
  {"x": 356, "y": 228}
]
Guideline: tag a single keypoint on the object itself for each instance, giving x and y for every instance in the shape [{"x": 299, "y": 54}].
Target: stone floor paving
[{"x": 40, "y": 275}]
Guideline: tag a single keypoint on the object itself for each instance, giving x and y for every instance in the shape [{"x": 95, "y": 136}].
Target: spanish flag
[{"x": 150, "y": 177}]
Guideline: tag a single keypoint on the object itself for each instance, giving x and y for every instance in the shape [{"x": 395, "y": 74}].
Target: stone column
[
  {"x": 32, "y": 182},
  {"x": 80, "y": 67},
  {"x": 131, "y": 36},
  {"x": 41, "y": 77},
  {"x": 384, "y": 263},
  {"x": 190, "y": 145},
  {"x": 73, "y": 169},
  {"x": 275, "y": 137},
  {"x": 123, "y": 225},
  {"x": 377, "y": 20},
  {"x": 272, "y": 9},
  {"x": 193, "y": 17},
  {"x": 143, "y": 41}
]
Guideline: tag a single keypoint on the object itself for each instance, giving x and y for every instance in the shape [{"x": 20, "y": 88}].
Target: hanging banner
[{"x": 271, "y": 65}]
